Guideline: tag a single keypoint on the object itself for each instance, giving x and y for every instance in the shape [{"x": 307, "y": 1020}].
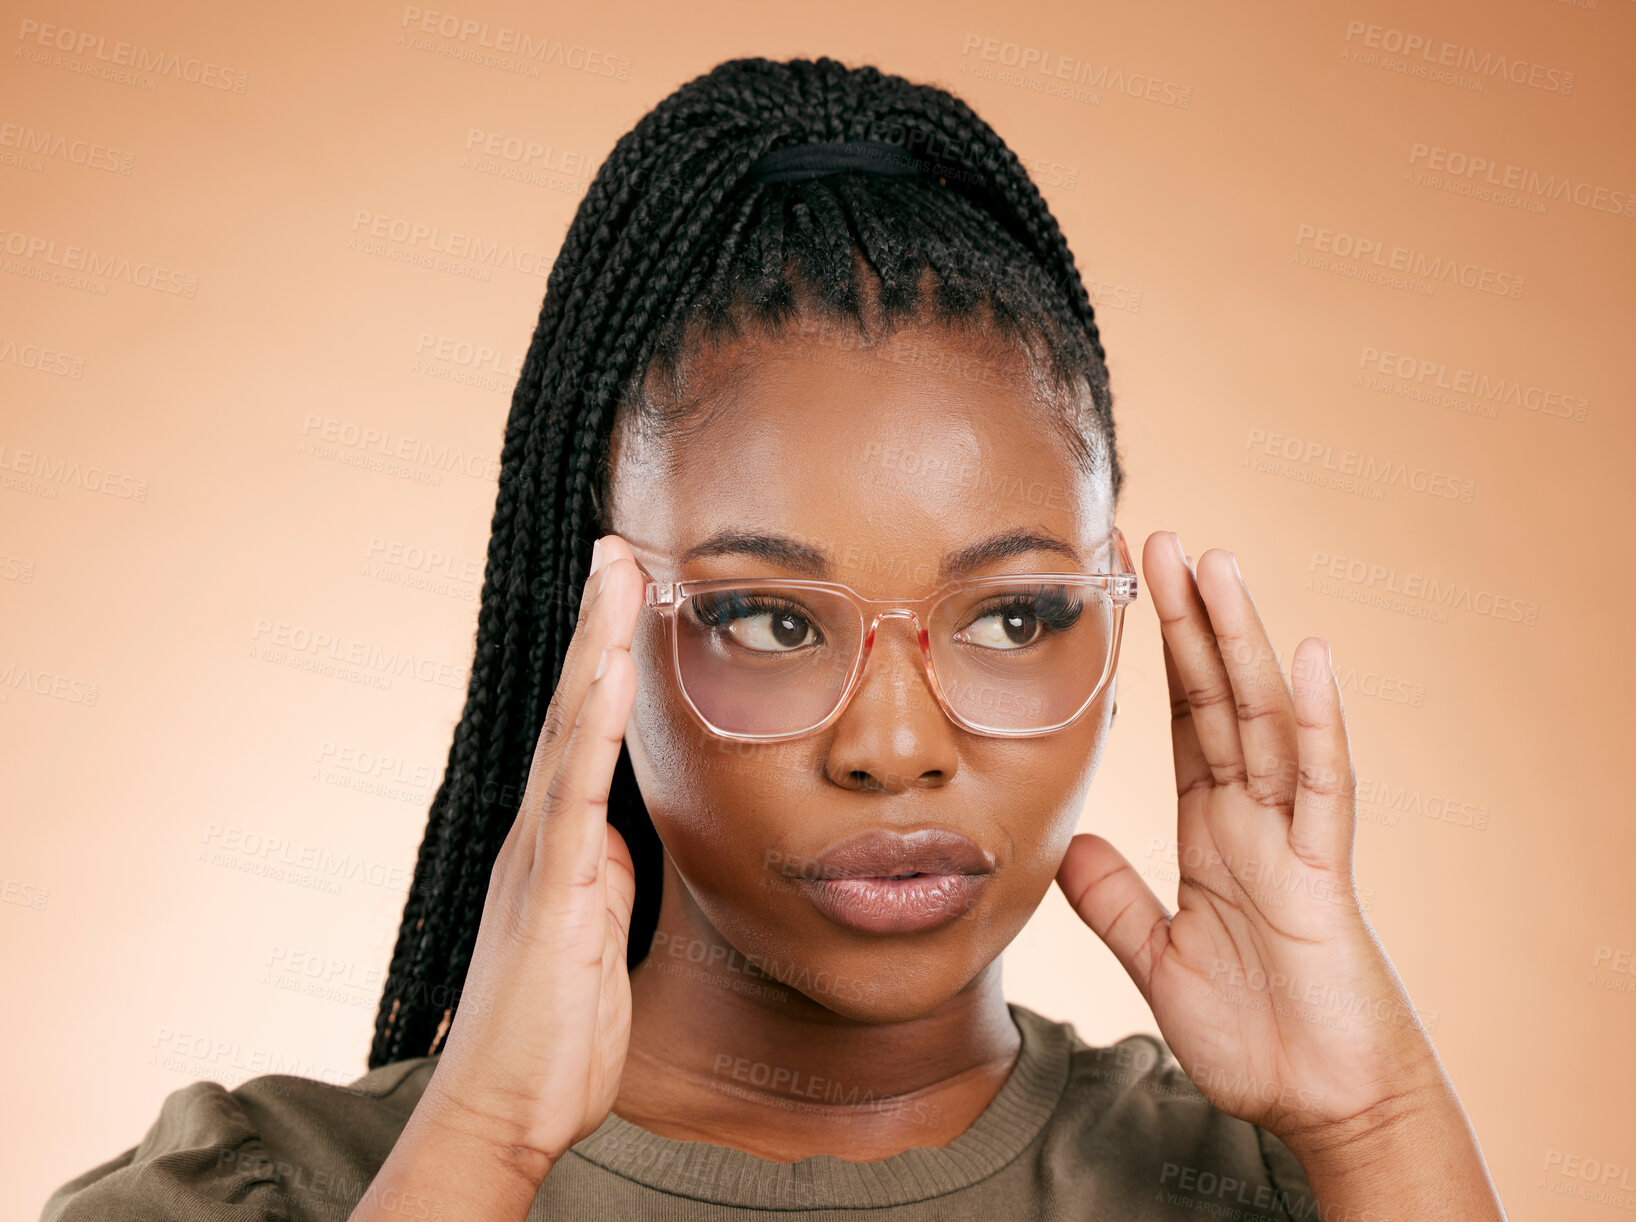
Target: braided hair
[{"x": 677, "y": 241}]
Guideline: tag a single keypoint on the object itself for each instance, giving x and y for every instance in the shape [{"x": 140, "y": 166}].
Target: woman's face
[{"x": 885, "y": 461}]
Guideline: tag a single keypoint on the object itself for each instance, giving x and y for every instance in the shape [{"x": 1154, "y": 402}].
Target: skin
[
  {"x": 553, "y": 1032},
  {"x": 919, "y": 1015}
]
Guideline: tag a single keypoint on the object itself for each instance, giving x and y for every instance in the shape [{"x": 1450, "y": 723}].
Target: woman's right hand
[{"x": 533, "y": 1058}]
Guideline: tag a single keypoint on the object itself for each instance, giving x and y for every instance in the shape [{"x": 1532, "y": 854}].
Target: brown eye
[
  {"x": 1000, "y": 629},
  {"x": 757, "y": 622},
  {"x": 771, "y": 631},
  {"x": 1021, "y": 620}
]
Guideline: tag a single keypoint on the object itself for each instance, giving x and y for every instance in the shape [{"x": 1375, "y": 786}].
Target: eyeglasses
[{"x": 1012, "y": 656}]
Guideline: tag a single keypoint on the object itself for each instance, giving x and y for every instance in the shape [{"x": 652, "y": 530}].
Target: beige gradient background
[{"x": 160, "y": 754}]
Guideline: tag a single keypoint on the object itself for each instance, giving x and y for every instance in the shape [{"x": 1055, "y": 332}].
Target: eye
[
  {"x": 1011, "y": 628},
  {"x": 771, "y": 631},
  {"x": 758, "y": 623},
  {"x": 1021, "y": 620}
]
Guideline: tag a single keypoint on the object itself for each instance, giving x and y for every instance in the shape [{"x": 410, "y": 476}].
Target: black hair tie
[{"x": 797, "y": 161}]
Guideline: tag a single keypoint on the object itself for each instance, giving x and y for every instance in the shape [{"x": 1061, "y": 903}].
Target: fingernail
[
  {"x": 601, "y": 665},
  {"x": 596, "y": 559},
  {"x": 1234, "y": 559}
]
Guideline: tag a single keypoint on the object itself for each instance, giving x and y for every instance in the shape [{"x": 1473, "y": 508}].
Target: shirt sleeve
[
  {"x": 277, "y": 1148},
  {"x": 201, "y": 1161}
]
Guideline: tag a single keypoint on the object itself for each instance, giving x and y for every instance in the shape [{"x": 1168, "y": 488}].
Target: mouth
[{"x": 886, "y": 882}]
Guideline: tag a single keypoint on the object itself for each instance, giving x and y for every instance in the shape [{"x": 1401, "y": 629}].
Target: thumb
[
  {"x": 1116, "y": 902},
  {"x": 621, "y": 886}
]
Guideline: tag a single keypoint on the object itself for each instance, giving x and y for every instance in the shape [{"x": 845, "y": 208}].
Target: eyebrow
[{"x": 814, "y": 562}]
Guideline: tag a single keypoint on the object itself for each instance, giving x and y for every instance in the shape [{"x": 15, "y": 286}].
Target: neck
[{"x": 721, "y": 1052}]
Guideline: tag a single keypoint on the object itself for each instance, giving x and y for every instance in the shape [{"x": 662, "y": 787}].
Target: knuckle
[
  {"x": 1272, "y": 788},
  {"x": 552, "y": 728},
  {"x": 1209, "y": 695},
  {"x": 558, "y": 792},
  {"x": 1330, "y": 782},
  {"x": 1254, "y": 709}
]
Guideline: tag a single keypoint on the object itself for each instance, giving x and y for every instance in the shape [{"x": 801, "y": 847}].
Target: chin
[{"x": 871, "y": 978}]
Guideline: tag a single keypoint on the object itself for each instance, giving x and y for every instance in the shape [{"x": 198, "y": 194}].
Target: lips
[{"x": 884, "y": 882}]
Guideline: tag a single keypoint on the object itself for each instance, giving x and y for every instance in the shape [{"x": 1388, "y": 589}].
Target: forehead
[{"x": 883, "y": 459}]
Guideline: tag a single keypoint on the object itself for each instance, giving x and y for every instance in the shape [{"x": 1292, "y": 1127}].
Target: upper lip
[{"x": 880, "y": 852}]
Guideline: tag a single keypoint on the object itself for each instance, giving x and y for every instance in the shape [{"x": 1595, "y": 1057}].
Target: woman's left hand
[{"x": 1268, "y": 983}]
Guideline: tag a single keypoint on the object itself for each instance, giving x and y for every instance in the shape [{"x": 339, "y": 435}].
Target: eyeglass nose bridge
[{"x": 922, "y": 638}]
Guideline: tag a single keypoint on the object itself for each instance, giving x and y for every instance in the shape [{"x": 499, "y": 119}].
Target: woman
[{"x": 794, "y": 665}]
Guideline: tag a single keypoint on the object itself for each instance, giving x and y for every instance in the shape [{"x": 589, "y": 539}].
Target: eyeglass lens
[{"x": 766, "y": 659}]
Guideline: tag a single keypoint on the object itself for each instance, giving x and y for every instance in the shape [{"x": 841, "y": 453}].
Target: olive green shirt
[{"x": 1076, "y": 1132}]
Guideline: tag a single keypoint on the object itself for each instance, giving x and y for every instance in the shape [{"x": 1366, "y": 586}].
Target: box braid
[{"x": 674, "y": 240}]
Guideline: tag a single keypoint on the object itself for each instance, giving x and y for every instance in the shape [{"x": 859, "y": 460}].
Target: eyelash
[
  {"x": 1052, "y": 608},
  {"x": 713, "y": 610}
]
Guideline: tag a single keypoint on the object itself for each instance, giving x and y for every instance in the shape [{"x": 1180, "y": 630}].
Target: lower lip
[{"x": 896, "y": 905}]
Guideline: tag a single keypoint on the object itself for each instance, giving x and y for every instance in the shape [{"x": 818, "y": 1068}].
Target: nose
[{"x": 893, "y": 735}]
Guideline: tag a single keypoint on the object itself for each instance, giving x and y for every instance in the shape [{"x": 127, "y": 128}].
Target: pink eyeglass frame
[{"x": 665, "y": 599}]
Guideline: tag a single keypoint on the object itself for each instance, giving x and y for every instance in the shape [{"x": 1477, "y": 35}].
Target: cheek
[
  {"x": 714, "y": 801},
  {"x": 656, "y": 733},
  {"x": 1059, "y": 776}
]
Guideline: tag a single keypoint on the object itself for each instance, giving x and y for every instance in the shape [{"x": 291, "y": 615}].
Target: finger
[
  {"x": 593, "y": 630},
  {"x": 1192, "y": 769},
  {"x": 570, "y": 871},
  {"x": 572, "y": 810},
  {"x": 1207, "y": 694},
  {"x": 1116, "y": 902},
  {"x": 620, "y": 873},
  {"x": 561, "y": 709},
  {"x": 1195, "y": 847},
  {"x": 1261, "y": 696},
  {"x": 1325, "y": 824}
]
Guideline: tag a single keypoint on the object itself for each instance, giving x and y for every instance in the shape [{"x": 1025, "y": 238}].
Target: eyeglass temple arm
[{"x": 1124, "y": 585}]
